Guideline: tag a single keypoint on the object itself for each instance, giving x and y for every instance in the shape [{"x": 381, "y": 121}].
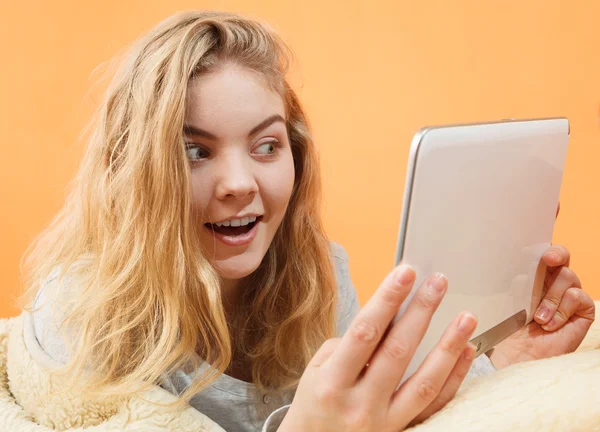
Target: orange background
[{"x": 369, "y": 73}]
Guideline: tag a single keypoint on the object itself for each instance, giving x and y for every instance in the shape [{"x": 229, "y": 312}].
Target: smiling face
[{"x": 242, "y": 168}]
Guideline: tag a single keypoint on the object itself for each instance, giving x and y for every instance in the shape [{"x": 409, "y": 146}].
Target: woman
[{"x": 191, "y": 254}]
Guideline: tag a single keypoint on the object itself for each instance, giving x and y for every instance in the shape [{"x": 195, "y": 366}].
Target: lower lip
[{"x": 239, "y": 240}]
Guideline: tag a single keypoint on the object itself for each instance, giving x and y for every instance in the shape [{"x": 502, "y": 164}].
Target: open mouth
[{"x": 234, "y": 227}]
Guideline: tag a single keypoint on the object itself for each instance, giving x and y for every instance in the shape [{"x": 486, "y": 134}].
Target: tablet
[{"x": 480, "y": 202}]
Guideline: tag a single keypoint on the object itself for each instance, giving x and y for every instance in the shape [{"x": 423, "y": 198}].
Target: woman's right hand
[{"x": 338, "y": 392}]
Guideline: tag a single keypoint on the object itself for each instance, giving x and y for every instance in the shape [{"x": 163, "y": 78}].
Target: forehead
[{"x": 231, "y": 100}]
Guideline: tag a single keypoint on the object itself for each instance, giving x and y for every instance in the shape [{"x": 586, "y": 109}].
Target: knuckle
[
  {"x": 392, "y": 296},
  {"x": 443, "y": 399},
  {"x": 427, "y": 391},
  {"x": 360, "y": 419},
  {"x": 426, "y": 299},
  {"x": 568, "y": 273},
  {"x": 573, "y": 294},
  {"x": 560, "y": 316},
  {"x": 396, "y": 350},
  {"x": 327, "y": 393},
  {"x": 452, "y": 346},
  {"x": 551, "y": 302},
  {"x": 364, "y": 331}
]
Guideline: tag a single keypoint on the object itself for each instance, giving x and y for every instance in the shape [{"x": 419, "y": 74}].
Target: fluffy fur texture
[
  {"x": 27, "y": 402},
  {"x": 557, "y": 394}
]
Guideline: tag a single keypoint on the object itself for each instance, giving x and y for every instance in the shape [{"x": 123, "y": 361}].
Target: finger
[
  {"x": 392, "y": 357},
  {"x": 367, "y": 329},
  {"x": 453, "y": 383},
  {"x": 424, "y": 387},
  {"x": 574, "y": 302},
  {"x": 557, "y": 255},
  {"x": 563, "y": 280},
  {"x": 324, "y": 352}
]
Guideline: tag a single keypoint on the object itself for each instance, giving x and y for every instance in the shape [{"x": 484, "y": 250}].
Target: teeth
[{"x": 237, "y": 222}]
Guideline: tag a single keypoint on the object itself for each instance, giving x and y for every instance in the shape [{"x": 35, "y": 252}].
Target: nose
[{"x": 236, "y": 179}]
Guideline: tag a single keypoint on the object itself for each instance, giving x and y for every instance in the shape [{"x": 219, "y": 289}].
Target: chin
[{"x": 237, "y": 267}]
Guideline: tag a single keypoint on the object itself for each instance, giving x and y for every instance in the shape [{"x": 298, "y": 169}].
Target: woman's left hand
[{"x": 561, "y": 321}]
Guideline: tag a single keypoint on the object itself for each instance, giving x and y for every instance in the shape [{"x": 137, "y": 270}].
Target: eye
[
  {"x": 195, "y": 153},
  {"x": 268, "y": 148}
]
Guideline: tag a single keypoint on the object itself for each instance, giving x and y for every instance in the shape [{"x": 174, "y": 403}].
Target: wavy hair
[{"x": 146, "y": 298}]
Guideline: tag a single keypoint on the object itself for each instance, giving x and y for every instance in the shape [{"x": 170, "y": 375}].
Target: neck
[
  {"x": 231, "y": 295},
  {"x": 231, "y": 292}
]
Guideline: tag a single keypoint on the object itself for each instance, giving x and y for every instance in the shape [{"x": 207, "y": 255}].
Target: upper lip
[{"x": 237, "y": 217}]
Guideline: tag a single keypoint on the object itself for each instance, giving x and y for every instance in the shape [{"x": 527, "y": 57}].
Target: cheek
[
  {"x": 277, "y": 185},
  {"x": 201, "y": 191}
]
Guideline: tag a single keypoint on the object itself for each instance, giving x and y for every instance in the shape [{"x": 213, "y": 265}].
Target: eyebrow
[{"x": 192, "y": 130}]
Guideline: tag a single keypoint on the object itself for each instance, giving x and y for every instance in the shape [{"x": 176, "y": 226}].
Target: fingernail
[
  {"x": 467, "y": 323},
  {"x": 405, "y": 274},
  {"x": 542, "y": 312},
  {"x": 439, "y": 282}
]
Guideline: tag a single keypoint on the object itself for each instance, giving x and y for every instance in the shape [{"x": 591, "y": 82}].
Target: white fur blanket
[
  {"x": 27, "y": 406},
  {"x": 558, "y": 394}
]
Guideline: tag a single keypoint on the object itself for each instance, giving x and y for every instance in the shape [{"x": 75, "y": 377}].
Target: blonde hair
[{"x": 147, "y": 298}]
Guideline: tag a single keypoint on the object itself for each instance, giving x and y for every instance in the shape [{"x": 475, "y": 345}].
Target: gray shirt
[{"x": 234, "y": 404}]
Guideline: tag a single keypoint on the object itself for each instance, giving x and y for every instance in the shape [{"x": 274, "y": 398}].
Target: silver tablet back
[{"x": 479, "y": 206}]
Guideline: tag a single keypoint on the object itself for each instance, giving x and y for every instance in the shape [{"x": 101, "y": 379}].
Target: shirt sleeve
[
  {"x": 274, "y": 420},
  {"x": 48, "y": 313},
  {"x": 347, "y": 308}
]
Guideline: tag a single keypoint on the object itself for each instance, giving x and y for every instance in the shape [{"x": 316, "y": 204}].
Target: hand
[
  {"x": 561, "y": 321},
  {"x": 350, "y": 384}
]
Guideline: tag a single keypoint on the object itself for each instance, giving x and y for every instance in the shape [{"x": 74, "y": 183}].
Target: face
[{"x": 242, "y": 167}]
